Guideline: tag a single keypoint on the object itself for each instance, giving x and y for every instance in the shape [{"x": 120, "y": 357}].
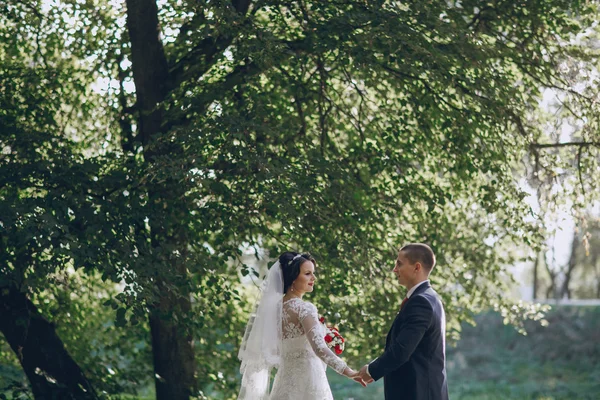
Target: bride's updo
[{"x": 290, "y": 266}]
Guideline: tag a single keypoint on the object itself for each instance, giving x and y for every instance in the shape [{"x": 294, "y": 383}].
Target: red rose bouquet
[{"x": 334, "y": 340}]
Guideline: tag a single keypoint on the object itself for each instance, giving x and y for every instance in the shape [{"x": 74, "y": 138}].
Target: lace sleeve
[{"x": 312, "y": 328}]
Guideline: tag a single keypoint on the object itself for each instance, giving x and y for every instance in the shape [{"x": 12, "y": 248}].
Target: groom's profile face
[{"x": 403, "y": 269}]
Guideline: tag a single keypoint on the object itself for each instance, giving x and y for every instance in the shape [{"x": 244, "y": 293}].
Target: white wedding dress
[{"x": 305, "y": 356}]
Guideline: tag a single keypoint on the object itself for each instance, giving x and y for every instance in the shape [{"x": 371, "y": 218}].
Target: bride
[{"x": 285, "y": 333}]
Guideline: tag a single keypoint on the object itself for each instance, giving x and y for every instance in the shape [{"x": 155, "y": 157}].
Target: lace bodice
[
  {"x": 287, "y": 336},
  {"x": 301, "y": 325}
]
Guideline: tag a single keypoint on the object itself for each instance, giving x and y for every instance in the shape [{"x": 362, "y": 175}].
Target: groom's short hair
[{"x": 419, "y": 252}]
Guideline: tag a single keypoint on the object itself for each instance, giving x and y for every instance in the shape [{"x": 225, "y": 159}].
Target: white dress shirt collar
[{"x": 412, "y": 289}]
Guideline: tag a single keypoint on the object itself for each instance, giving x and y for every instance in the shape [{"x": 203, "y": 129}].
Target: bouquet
[{"x": 334, "y": 340}]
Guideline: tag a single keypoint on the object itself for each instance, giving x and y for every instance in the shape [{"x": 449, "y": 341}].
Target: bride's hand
[{"x": 349, "y": 372}]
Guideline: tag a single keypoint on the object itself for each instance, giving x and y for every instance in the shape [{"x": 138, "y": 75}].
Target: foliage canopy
[{"x": 345, "y": 128}]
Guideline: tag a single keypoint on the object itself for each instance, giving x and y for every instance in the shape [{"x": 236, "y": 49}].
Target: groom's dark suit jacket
[{"x": 413, "y": 365}]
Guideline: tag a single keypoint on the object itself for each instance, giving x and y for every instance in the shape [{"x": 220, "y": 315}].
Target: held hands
[
  {"x": 364, "y": 376},
  {"x": 352, "y": 374},
  {"x": 356, "y": 376}
]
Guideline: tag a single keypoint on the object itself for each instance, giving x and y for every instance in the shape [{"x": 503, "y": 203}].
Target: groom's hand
[{"x": 364, "y": 375}]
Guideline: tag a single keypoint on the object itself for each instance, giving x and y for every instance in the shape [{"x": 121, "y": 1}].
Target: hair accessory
[{"x": 297, "y": 256}]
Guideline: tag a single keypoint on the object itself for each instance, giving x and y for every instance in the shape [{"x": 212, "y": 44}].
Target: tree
[
  {"x": 345, "y": 128},
  {"x": 561, "y": 167},
  {"x": 578, "y": 277}
]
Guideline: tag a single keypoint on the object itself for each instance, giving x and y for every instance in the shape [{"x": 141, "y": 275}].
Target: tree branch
[
  {"x": 199, "y": 60},
  {"x": 203, "y": 56},
  {"x": 579, "y": 151},
  {"x": 236, "y": 77},
  {"x": 194, "y": 23},
  {"x": 564, "y": 144},
  {"x": 241, "y": 6},
  {"x": 430, "y": 90}
]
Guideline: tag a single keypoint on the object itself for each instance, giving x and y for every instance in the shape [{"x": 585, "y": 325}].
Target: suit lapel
[{"x": 417, "y": 291}]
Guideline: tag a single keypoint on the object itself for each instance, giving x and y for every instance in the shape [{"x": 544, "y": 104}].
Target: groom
[{"x": 413, "y": 365}]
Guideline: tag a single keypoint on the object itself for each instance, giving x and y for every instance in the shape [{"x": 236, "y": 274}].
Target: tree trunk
[
  {"x": 566, "y": 291},
  {"x": 171, "y": 345},
  {"x": 596, "y": 265},
  {"x": 149, "y": 67},
  {"x": 535, "y": 273},
  {"x": 51, "y": 371},
  {"x": 172, "y": 350},
  {"x": 552, "y": 290}
]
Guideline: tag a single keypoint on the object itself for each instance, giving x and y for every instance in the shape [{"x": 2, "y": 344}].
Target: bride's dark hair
[{"x": 290, "y": 266}]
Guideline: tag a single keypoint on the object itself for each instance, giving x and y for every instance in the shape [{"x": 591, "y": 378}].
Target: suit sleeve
[{"x": 418, "y": 317}]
